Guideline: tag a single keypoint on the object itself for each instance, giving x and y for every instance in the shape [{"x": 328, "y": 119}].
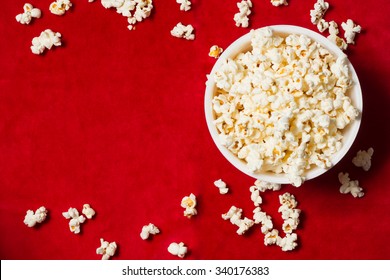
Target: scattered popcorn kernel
[
  {"x": 107, "y": 249},
  {"x": 363, "y": 159},
  {"x": 46, "y": 40},
  {"x": 189, "y": 203},
  {"x": 288, "y": 200},
  {"x": 148, "y": 230},
  {"x": 31, "y": 218},
  {"x": 262, "y": 218},
  {"x": 183, "y": 31},
  {"x": 271, "y": 237},
  {"x": 29, "y": 12},
  {"x": 234, "y": 215},
  {"x": 75, "y": 220},
  {"x": 176, "y": 249},
  {"x": 277, "y": 3},
  {"x": 348, "y": 186},
  {"x": 241, "y": 18},
  {"x": 221, "y": 185},
  {"x": 215, "y": 51},
  {"x": 244, "y": 225},
  {"x": 322, "y": 25},
  {"x": 320, "y": 7},
  {"x": 263, "y": 186},
  {"x": 255, "y": 196},
  {"x": 288, "y": 242},
  {"x": 59, "y": 7},
  {"x": 350, "y": 30},
  {"x": 185, "y": 5},
  {"x": 88, "y": 211}
]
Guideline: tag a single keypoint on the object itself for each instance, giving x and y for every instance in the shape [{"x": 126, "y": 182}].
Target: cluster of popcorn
[
  {"x": 178, "y": 249},
  {"x": 215, "y": 51},
  {"x": 59, "y": 7},
  {"x": 234, "y": 215},
  {"x": 106, "y": 249},
  {"x": 348, "y": 186},
  {"x": 46, "y": 40},
  {"x": 282, "y": 106},
  {"x": 185, "y": 5},
  {"x": 29, "y": 12},
  {"x": 244, "y": 10},
  {"x": 277, "y": 3},
  {"x": 149, "y": 229},
  {"x": 221, "y": 185},
  {"x": 75, "y": 219},
  {"x": 183, "y": 31},
  {"x": 134, "y": 10},
  {"x": 189, "y": 204},
  {"x": 31, "y": 218},
  {"x": 363, "y": 159}
]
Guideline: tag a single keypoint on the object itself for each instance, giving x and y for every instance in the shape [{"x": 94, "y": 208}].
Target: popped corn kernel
[
  {"x": 348, "y": 186},
  {"x": 75, "y": 219},
  {"x": 288, "y": 242},
  {"x": 183, "y": 31},
  {"x": 215, "y": 51},
  {"x": 320, "y": 7},
  {"x": 149, "y": 229},
  {"x": 46, "y": 40},
  {"x": 288, "y": 200},
  {"x": 221, "y": 185},
  {"x": 277, "y": 3},
  {"x": 107, "y": 249},
  {"x": 177, "y": 249},
  {"x": 31, "y": 218},
  {"x": 244, "y": 10},
  {"x": 363, "y": 159},
  {"x": 244, "y": 225},
  {"x": 234, "y": 215},
  {"x": 189, "y": 204},
  {"x": 88, "y": 211},
  {"x": 322, "y": 25},
  {"x": 255, "y": 195},
  {"x": 185, "y": 5},
  {"x": 350, "y": 30},
  {"x": 271, "y": 237},
  {"x": 262, "y": 218},
  {"x": 29, "y": 12},
  {"x": 59, "y": 7},
  {"x": 264, "y": 186}
]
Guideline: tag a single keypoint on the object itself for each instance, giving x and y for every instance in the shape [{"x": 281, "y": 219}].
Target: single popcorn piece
[
  {"x": 288, "y": 200},
  {"x": 277, "y": 3},
  {"x": 322, "y": 25},
  {"x": 107, "y": 249},
  {"x": 234, "y": 215},
  {"x": 363, "y": 159},
  {"x": 185, "y": 5},
  {"x": 255, "y": 195},
  {"x": 59, "y": 7},
  {"x": 221, "y": 185},
  {"x": 183, "y": 31},
  {"x": 350, "y": 30},
  {"x": 241, "y": 18},
  {"x": 264, "y": 186},
  {"x": 189, "y": 204},
  {"x": 75, "y": 220},
  {"x": 272, "y": 237},
  {"x": 288, "y": 242},
  {"x": 148, "y": 230},
  {"x": 46, "y": 40},
  {"x": 320, "y": 7},
  {"x": 262, "y": 218},
  {"x": 348, "y": 186},
  {"x": 88, "y": 211},
  {"x": 177, "y": 249},
  {"x": 29, "y": 12},
  {"x": 244, "y": 225},
  {"x": 215, "y": 51},
  {"x": 31, "y": 218},
  {"x": 333, "y": 36}
]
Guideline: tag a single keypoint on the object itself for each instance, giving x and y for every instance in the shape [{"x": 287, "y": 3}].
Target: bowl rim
[{"x": 242, "y": 44}]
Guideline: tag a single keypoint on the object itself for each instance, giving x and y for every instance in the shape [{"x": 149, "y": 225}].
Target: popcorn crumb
[
  {"x": 183, "y": 31},
  {"x": 88, "y": 211},
  {"x": 177, "y": 249},
  {"x": 75, "y": 220},
  {"x": 107, "y": 249},
  {"x": 215, "y": 51},
  {"x": 46, "y": 40},
  {"x": 59, "y": 7},
  {"x": 185, "y": 5},
  {"x": 189, "y": 203},
  {"x": 147, "y": 230},
  {"x": 29, "y": 12},
  {"x": 241, "y": 18},
  {"x": 363, "y": 159},
  {"x": 350, "y": 30},
  {"x": 348, "y": 186},
  {"x": 221, "y": 185},
  {"x": 31, "y": 218},
  {"x": 277, "y": 3}
]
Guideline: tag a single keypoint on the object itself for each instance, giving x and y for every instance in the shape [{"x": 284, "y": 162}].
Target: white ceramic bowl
[{"x": 243, "y": 44}]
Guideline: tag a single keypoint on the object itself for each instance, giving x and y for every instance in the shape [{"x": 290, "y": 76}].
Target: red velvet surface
[{"x": 115, "y": 118}]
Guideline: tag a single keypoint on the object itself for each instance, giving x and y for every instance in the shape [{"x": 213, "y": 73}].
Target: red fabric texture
[{"x": 115, "y": 118}]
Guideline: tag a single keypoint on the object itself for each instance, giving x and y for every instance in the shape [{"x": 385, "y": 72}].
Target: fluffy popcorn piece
[
  {"x": 88, "y": 211},
  {"x": 189, "y": 204},
  {"x": 363, "y": 159},
  {"x": 348, "y": 186},
  {"x": 46, "y": 40},
  {"x": 264, "y": 186},
  {"x": 183, "y": 31},
  {"x": 234, "y": 215},
  {"x": 277, "y": 3},
  {"x": 350, "y": 30},
  {"x": 177, "y": 249},
  {"x": 244, "y": 225},
  {"x": 75, "y": 219},
  {"x": 320, "y": 7},
  {"x": 289, "y": 225},
  {"x": 215, "y": 51},
  {"x": 288, "y": 200},
  {"x": 148, "y": 230},
  {"x": 255, "y": 196},
  {"x": 185, "y": 5},
  {"x": 244, "y": 10},
  {"x": 272, "y": 237},
  {"x": 29, "y": 12},
  {"x": 59, "y": 7},
  {"x": 262, "y": 218},
  {"x": 333, "y": 36},
  {"x": 107, "y": 249},
  {"x": 221, "y": 185},
  {"x": 322, "y": 25},
  {"x": 288, "y": 212},
  {"x": 31, "y": 218},
  {"x": 288, "y": 242}
]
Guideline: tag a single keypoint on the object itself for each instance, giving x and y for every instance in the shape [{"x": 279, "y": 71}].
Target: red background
[{"x": 115, "y": 118}]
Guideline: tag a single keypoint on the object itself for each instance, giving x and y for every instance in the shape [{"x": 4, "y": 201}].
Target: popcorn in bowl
[{"x": 283, "y": 104}]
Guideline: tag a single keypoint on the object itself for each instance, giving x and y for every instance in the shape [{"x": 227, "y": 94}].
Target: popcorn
[
  {"x": 255, "y": 196},
  {"x": 185, "y": 5},
  {"x": 221, "y": 185},
  {"x": 281, "y": 107},
  {"x": 147, "y": 230},
  {"x": 29, "y": 13},
  {"x": 350, "y": 29},
  {"x": 215, "y": 51},
  {"x": 272, "y": 237},
  {"x": 244, "y": 225},
  {"x": 320, "y": 7},
  {"x": 348, "y": 186},
  {"x": 322, "y": 25},
  {"x": 47, "y": 39},
  {"x": 189, "y": 203},
  {"x": 288, "y": 200},
  {"x": 75, "y": 219},
  {"x": 288, "y": 242},
  {"x": 88, "y": 211},
  {"x": 107, "y": 249},
  {"x": 363, "y": 159},
  {"x": 183, "y": 31},
  {"x": 31, "y": 218},
  {"x": 234, "y": 215},
  {"x": 59, "y": 7},
  {"x": 277, "y": 3},
  {"x": 264, "y": 186},
  {"x": 338, "y": 41},
  {"x": 262, "y": 218},
  {"x": 176, "y": 249},
  {"x": 241, "y": 18}
]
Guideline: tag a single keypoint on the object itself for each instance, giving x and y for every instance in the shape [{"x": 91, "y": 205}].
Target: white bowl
[{"x": 243, "y": 44}]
